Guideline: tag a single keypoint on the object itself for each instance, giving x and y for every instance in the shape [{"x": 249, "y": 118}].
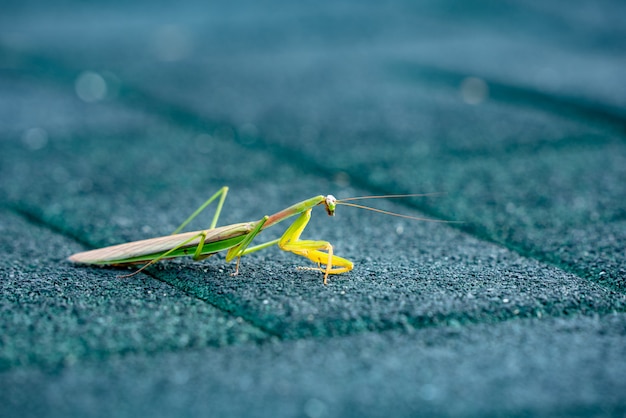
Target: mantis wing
[{"x": 217, "y": 239}]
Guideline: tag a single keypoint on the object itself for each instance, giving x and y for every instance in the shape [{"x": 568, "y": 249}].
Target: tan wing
[{"x": 156, "y": 245}]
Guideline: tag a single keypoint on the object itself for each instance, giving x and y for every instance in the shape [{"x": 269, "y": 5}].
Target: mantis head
[{"x": 329, "y": 203}]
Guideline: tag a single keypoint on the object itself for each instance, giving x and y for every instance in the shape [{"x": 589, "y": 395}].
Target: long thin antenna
[
  {"x": 415, "y": 218},
  {"x": 391, "y": 196}
]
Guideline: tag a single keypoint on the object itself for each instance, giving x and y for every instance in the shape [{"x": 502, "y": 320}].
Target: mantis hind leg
[
  {"x": 201, "y": 236},
  {"x": 320, "y": 252},
  {"x": 221, "y": 193}
]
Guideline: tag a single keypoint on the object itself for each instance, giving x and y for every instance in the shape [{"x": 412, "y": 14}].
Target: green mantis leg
[
  {"x": 239, "y": 250},
  {"x": 201, "y": 235},
  {"x": 313, "y": 250},
  {"x": 222, "y": 195}
]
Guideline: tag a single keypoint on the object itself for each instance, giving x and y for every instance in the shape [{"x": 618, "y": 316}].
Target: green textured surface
[{"x": 519, "y": 309}]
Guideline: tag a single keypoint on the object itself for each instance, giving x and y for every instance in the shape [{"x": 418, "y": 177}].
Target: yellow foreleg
[{"x": 313, "y": 250}]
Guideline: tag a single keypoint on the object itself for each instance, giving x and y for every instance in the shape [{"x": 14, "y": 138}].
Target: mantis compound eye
[{"x": 330, "y": 202}]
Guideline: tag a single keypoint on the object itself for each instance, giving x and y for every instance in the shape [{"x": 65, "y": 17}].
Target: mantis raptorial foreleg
[
  {"x": 290, "y": 242},
  {"x": 313, "y": 250}
]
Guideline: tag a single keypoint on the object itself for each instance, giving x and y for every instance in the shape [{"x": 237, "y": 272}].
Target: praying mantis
[{"x": 236, "y": 238}]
